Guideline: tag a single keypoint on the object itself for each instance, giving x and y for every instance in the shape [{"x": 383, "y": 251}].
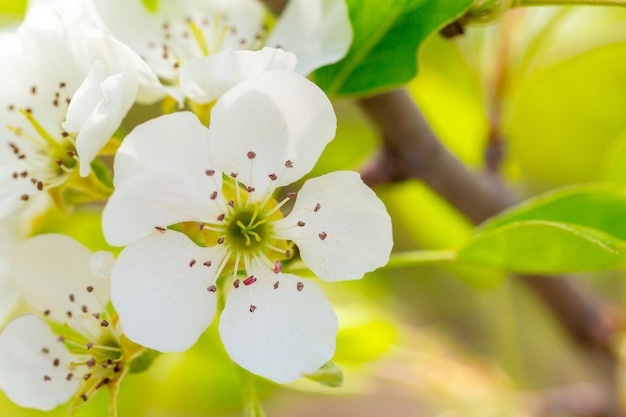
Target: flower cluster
[{"x": 199, "y": 197}]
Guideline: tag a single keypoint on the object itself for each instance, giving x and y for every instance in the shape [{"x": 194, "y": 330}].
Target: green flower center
[{"x": 248, "y": 230}]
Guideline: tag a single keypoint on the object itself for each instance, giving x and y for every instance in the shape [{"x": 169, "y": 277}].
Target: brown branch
[{"x": 411, "y": 150}]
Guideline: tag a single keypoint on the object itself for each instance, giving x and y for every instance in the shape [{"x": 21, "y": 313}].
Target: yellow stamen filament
[{"x": 199, "y": 37}]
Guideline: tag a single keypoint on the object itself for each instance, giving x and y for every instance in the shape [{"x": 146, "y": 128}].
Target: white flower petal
[
  {"x": 279, "y": 331},
  {"x": 154, "y": 200},
  {"x": 165, "y": 37},
  {"x": 53, "y": 275},
  {"x": 12, "y": 189},
  {"x": 281, "y": 117},
  {"x": 176, "y": 141},
  {"x": 101, "y": 263},
  {"x": 349, "y": 234},
  {"x": 97, "y": 109},
  {"x": 97, "y": 44},
  {"x": 8, "y": 293},
  {"x": 24, "y": 365},
  {"x": 317, "y": 31},
  {"x": 205, "y": 79},
  {"x": 160, "y": 289}
]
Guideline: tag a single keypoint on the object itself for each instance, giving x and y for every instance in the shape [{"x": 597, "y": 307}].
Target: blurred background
[{"x": 541, "y": 95}]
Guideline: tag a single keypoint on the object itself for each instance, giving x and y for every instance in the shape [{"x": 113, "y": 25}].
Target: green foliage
[
  {"x": 387, "y": 36},
  {"x": 544, "y": 247},
  {"x": 598, "y": 206}
]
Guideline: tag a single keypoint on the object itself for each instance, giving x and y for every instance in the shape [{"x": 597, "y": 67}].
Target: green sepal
[{"x": 329, "y": 375}]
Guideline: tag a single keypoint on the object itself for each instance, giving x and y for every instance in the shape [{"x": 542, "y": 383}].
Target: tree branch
[{"x": 411, "y": 150}]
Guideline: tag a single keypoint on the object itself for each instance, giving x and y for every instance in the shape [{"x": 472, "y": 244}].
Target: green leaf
[
  {"x": 329, "y": 375},
  {"x": 597, "y": 206},
  {"x": 387, "y": 35},
  {"x": 544, "y": 247}
]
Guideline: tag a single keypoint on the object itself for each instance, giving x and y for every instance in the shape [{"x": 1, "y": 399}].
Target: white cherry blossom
[
  {"x": 186, "y": 225},
  {"x": 43, "y": 366},
  {"x": 65, "y": 91},
  {"x": 204, "y": 46}
]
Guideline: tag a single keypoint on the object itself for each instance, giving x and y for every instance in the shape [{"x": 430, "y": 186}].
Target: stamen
[
  {"x": 276, "y": 284},
  {"x": 249, "y": 281},
  {"x": 322, "y": 235},
  {"x": 252, "y": 308},
  {"x": 43, "y": 133},
  {"x": 212, "y": 288},
  {"x": 278, "y": 266},
  {"x": 299, "y": 286},
  {"x": 198, "y": 35}
]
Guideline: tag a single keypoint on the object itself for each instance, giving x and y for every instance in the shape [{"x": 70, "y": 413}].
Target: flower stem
[
  {"x": 526, "y": 3},
  {"x": 252, "y": 405},
  {"x": 418, "y": 257}
]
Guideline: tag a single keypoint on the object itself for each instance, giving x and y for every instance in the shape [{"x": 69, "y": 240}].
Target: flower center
[{"x": 247, "y": 231}]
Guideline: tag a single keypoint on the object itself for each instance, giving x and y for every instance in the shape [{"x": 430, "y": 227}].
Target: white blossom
[
  {"x": 65, "y": 91},
  {"x": 205, "y": 46},
  {"x": 186, "y": 226},
  {"x": 43, "y": 366}
]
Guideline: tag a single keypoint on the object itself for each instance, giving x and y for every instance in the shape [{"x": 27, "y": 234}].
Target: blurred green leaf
[
  {"x": 17, "y": 7},
  {"x": 329, "y": 375},
  {"x": 544, "y": 247},
  {"x": 615, "y": 160},
  {"x": 568, "y": 144},
  {"x": 364, "y": 338},
  {"x": 387, "y": 36},
  {"x": 598, "y": 206}
]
